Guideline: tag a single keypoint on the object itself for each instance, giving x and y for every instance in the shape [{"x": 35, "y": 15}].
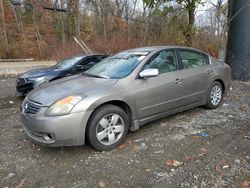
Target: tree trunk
[
  {"x": 103, "y": 18},
  {"x": 36, "y": 26},
  {"x": 190, "y": 26},
  {"x": 219, "y": 27},
  {"x": 127, "y": 23},
  {"x": 78, "y": 30},
  {"x": 238, "y": 45},
  {"x": 63, "y": 30},
  {"x": 4, "y": 25},
  {"x": 19, "y": 23}
]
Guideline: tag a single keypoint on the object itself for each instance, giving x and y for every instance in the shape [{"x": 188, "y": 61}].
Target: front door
[{"x": 159, "y": 94}]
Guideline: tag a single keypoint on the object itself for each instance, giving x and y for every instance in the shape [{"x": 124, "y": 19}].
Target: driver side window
[
  {"x": 165, "y": 61},
  {"x": 90, "y": 62}
]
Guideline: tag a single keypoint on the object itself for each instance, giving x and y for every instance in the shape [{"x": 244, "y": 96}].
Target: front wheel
[
  {"x": 107, "y": 127},
  {"x": 214, "y": 95}
]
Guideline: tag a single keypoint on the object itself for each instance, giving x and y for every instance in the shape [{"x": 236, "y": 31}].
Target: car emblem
[{"x": 25, "y": 108}]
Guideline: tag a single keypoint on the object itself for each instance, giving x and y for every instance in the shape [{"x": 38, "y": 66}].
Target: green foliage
[{"x": 189, "y": 5}]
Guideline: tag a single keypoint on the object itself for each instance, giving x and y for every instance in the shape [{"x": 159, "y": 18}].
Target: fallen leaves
[
  {"x": 21, "y": 183},
  {"x": 247, "y": 136},
  {"x": 203, "y": 152},
  {"x": 122, "y": 146},
  {"x": 102, "y": 184},
  {"x": 245, "y": 184},
  {"x": 188, "y": 158},
  {"x": 172, "y": 163},
  {"x": 217, "y": 168},
  {"x": 243, "y": 108}
]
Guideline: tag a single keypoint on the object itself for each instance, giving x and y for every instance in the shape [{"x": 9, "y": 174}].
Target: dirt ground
[{"x": 196, "y": 148}]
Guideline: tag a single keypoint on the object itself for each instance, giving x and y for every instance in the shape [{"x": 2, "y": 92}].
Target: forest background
[{"x": 44, "y": 29}]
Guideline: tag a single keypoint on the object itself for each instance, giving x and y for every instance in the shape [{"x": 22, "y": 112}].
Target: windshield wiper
[{"x": 95, "y": 76}]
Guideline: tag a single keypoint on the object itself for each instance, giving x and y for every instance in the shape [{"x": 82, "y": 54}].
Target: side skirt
[{"x": 158, "y": 116}]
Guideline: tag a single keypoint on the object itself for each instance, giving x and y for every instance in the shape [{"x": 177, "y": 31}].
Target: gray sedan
[{"x": 122, "y": 93}]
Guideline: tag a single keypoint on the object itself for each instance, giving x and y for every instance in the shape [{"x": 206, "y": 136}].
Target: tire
[
  {"x": 107, "y": 127},
  {"x": 214, "y": 95}
]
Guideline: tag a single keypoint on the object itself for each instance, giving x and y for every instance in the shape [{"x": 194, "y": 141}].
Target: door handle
[
  {"x": 209, "y": 71},
  {"x": 177, "y": 81}
]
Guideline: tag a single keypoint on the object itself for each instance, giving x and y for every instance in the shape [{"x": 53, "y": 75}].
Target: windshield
[
  {"x": 117, "y": 66},
  {"x": 67, "y": 63}
]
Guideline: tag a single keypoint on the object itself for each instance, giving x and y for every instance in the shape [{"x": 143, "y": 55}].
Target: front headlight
[
  {"x": 63, "y": 106},
  {"x": 38, "y": 79}
]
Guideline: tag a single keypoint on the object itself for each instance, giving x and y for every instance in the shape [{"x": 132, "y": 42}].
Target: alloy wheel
[
  {"x": 216, "y": 95},
  {"x": 110, "y": 129}
]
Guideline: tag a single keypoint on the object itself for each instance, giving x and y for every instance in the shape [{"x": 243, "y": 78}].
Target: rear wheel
[
  {"x": 214, "y": 95},
  {"x": 107, "y": 127}
]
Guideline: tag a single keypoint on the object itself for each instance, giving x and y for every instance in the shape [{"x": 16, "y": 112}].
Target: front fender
[{"x": 93, "y": 102}]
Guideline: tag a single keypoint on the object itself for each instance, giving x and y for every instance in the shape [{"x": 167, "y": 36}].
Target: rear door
[
  {"x": 195, "y": 75},
  {"x": 159, "y": 94}
]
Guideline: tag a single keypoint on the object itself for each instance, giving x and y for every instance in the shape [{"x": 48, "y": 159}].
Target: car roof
[{"x": 156, "y": 48}]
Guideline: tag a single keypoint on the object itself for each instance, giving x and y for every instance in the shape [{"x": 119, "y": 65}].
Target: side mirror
[{"x": 147, "y": 73}]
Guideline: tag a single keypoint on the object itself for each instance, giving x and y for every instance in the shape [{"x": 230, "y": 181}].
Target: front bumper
[
  {"x": 24, "y": 88},
  {"x": 67, "y": 130},
  {"x": 25, "y": 85}
]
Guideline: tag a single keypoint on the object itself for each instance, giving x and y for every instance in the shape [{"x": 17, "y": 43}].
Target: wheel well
[
  {"x": 222, "y": 84},
  {"x": 124, "y": 106}
]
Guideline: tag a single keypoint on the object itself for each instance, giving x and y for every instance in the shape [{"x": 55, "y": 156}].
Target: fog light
[{"x": 47, "y": 137}]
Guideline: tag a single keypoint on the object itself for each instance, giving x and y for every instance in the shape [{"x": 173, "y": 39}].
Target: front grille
[
  {"x": 31, "y": 107},
  {"x": 20, "y": 81}
]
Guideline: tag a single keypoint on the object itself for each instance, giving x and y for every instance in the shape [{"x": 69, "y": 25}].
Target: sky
[{"x": 202, "y": 12}]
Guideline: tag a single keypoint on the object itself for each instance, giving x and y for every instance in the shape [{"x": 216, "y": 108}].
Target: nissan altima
[
  {"x": 69, "y": 66},
  {"x": 122, "y": 93}
]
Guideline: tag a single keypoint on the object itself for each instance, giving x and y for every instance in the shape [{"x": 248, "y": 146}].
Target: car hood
[
  {"x": 49, "y": 93},
  {"x": 40, "y": 73}
]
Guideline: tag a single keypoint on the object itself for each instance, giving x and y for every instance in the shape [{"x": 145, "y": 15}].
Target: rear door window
[{"x": 192, "y": 59}]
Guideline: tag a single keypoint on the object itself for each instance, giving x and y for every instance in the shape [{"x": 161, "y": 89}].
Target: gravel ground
[{"x": 196, "y": 148}]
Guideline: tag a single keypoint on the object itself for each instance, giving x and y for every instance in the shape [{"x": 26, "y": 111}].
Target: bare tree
[
  {"x": 4, "y": 25},
  {"x": 18, "y": 17},
  {"x": 101, "y": 8},
  {"x": 37, "y": 29}
]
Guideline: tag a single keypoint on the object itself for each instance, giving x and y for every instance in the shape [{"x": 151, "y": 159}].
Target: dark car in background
[{"x": 66, "y": 67}]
